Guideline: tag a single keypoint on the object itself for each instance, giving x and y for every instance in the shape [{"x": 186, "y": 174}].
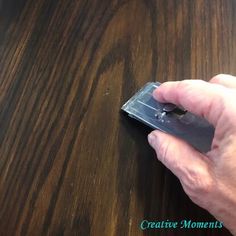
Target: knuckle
[
  {"x": 199, "y": 184},
  {"x": 200, "y": 191},
  {"x": 166, "y": 155},
  {"x": 164, "y": 152},
  {"x": 217, "y": 78},
  {"x": 183, "y": 85},
  {"x": 186, "y": 87}
]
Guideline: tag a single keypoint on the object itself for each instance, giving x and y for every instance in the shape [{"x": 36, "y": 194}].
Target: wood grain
[{"x": 70, "y": 163}]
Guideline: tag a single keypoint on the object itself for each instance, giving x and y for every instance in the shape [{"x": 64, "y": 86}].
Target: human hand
[{"x": 208, "y": 179}]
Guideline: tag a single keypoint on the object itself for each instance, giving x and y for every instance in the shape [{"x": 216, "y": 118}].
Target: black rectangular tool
[{"x": 169, "y": 118}]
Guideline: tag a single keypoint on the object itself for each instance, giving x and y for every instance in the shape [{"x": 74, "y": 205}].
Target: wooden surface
[{"x": 70, "y": 162}]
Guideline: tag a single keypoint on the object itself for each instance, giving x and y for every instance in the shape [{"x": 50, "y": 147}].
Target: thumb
[
  {"x": 178, "y": 156},
  {"x": 199, "y": 97}
]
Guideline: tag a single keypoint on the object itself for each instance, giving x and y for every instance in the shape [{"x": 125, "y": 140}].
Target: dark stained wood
[{"x": 70, "y": 162}]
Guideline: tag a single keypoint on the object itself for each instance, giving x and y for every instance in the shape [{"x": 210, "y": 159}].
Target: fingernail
[
  {"x": 151, "y": 139},
  {"x": 155, "y": 92}
]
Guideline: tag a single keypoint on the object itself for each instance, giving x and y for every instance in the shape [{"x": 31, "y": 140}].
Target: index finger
[{"x": 197, "y": 96}]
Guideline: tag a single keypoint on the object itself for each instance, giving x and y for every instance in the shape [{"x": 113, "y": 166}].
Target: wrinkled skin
[{"x": 208, "y": 179}]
